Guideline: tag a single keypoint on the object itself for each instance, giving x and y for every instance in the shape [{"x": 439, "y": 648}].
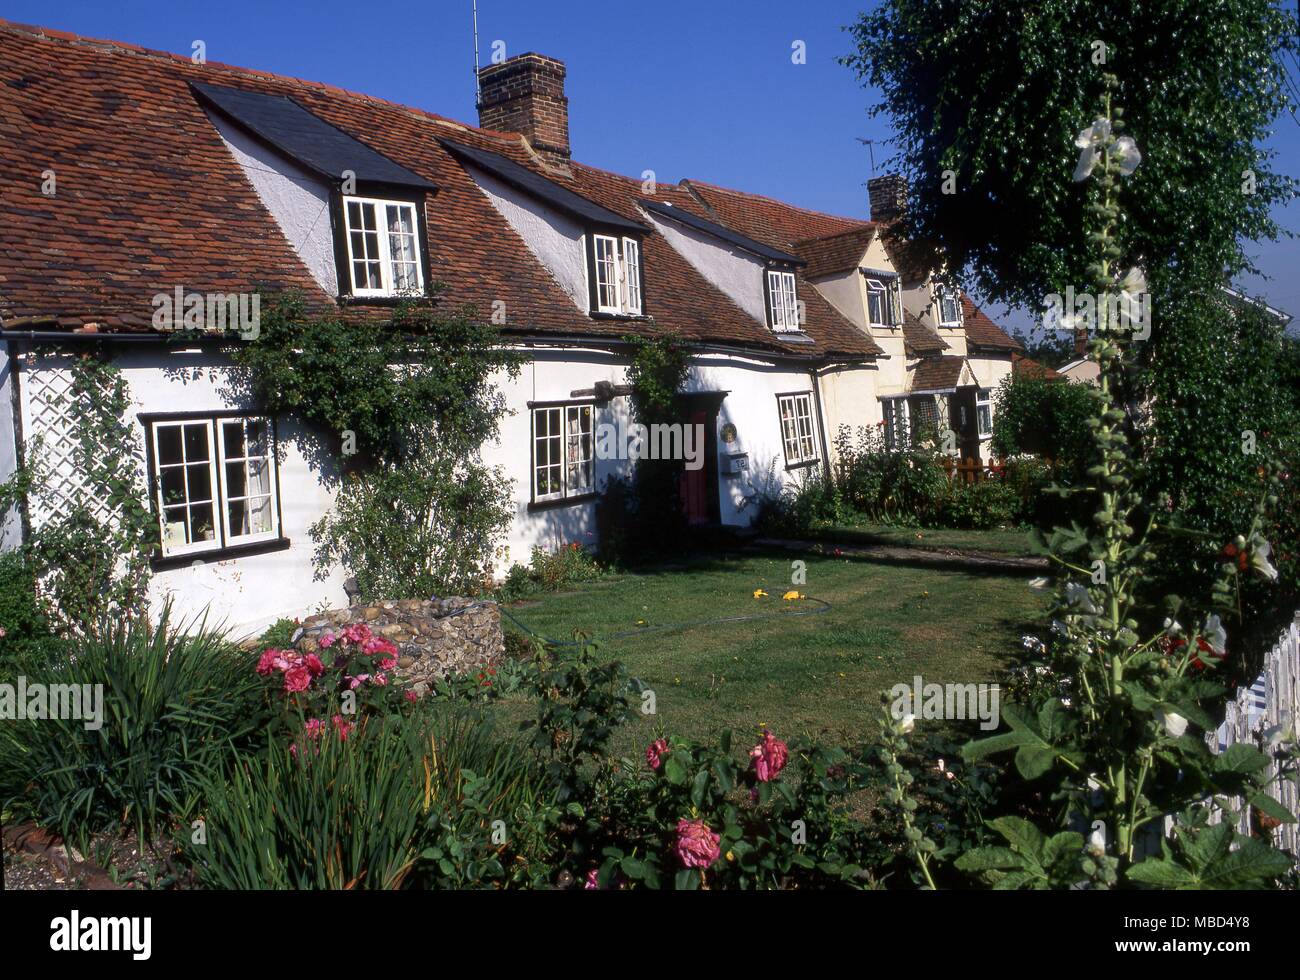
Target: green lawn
[
  {"x": 817, "y": 674},
  {"x": 1003, "y": 541}
]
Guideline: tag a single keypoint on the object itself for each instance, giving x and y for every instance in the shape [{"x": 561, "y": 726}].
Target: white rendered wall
[
  {"x": 10, "y": 523},
  {"x": 298, "y": 201},
  {"x": 737, "y": 273},
  {"x": 556, "y": 240}
]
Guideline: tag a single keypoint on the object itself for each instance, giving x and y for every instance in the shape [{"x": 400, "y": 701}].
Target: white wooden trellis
[
  {"x": 50, "y": 420},
  {"x": 1272, "y": 701}
]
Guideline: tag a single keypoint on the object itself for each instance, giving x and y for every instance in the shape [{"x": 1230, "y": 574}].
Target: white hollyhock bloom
[
  {"x": 1175, "y": 724},
  {"x": 1128, "y": 155},
  {"x": 1097, "y": 841},
  {"x": 1173, "y": 627},
  {"x": 1077, "y": 595},
  {"x": 1259, "y": 556},
  {"x": 1090, "y": 143},
  {"x": 907, "y": 723},
  {"x": 1214, "y": 633}
]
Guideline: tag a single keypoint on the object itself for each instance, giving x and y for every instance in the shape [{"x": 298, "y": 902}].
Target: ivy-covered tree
[
  {"x": 992, "y": 92},
  {"x": 988, "y": 142}
]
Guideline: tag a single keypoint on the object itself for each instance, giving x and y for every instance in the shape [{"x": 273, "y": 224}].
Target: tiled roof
[
  {"x": 920, "y": 340},
  {"x": 149, "y": 198},
  {"x": 768, "y": 219},
  {"x": 1026, "y": 367},
  {"x": 915, "y": 261},
  {"x": 834, "y": 254},
  {"x": 983, "y": 333},
  {"x": 937, "y": 373}
]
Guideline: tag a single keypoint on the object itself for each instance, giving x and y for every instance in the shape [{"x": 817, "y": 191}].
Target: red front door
[{"x": 695, "y": 485}]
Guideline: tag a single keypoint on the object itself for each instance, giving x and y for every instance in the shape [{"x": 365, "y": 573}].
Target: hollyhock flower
[
  {"x": 1077, "y": 595},
  {"x": 1127, "y": 153},
  {"x": 313, "y": 664},
  {"x": 697, "y": 846},
  {"x": 1090, "y": 143},
  {"x": 907, "y": 723},
  {"x": 297, "y": 678},
  {"x": 770, "y": 756},
  {"x": 1259, "y": 556},
  {"x": 655, "y": 752},
  {"x": 1175, "y": 724}
]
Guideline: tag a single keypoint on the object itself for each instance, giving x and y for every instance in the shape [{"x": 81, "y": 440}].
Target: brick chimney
[
  {"x": 888, "y": 196},
  {"x": 525, "y": 94}
]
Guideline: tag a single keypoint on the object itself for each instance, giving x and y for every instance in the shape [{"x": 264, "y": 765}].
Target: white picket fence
[{"x": 1273, "y": 700}]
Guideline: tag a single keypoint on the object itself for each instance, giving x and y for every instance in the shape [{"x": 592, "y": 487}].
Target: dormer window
[
  {"x": 782, "y": 301},
  {"x": 616, "y": 275},
  {"x": 383, "y": 247},
  {"x": 882, "y": 304},
  {"x": 949, "y": 306}
]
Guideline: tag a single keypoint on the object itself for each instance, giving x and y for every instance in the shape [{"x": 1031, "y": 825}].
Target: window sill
[
  {"x": 160, "y": 563},
  {"x": 348, "y": 299},
  {"x": 790, "y": 467},
  {"x": 605, "y": 315},
  {"x": 582, "y": 498}
]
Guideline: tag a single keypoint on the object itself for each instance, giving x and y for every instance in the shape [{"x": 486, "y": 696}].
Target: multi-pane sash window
[
  {"x": 214, "y": 480},
  {"x": 797, "y": 432},
  {"x": 782, "y": 305},
  {"x": 563, "y": 452},
  {"x": 383, "y": 247},
  {"x": 897, "y": 425},
  {"x": 617, "y": 266},
  {"x": 881, "y": 308},
  {"x": 949, "y": 307},
  {"x": 984, "y": 411}
]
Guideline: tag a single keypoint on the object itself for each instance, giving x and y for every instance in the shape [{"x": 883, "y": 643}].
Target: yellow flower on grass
[
  {"x": 759, "y": 594},
  {"x": 792, "y": 594},
  {"x": 640, "y": 622}
]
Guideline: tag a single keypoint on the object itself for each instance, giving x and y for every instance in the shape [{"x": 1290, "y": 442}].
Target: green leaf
[{"x": 687, "y": 880}]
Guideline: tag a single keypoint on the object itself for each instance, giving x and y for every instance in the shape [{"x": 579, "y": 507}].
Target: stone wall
[{"x": 433, "y": 637}]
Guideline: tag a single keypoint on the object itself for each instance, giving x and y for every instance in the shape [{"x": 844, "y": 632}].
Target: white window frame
[
  {"x": 222, "y": 537},
  {"x": 617, "y": 275},
  {"x": 898, "y": 423},
  {"x": 885, "y": 288},
  {"x": 798, "y": 428},
  {"x": 782, "y": 301},
  {"x": 385, "y": 258},
  {"x": 984, "y": 400},
  {"x": 949, "y": 294},
  {"x": 572, "y": 421}
]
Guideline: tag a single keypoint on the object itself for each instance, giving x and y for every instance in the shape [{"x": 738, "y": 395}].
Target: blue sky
[{"x": 687, "y": 88}]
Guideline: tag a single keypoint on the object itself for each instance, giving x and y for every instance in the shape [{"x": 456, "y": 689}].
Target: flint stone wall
[{"x": 433, "y": 637}]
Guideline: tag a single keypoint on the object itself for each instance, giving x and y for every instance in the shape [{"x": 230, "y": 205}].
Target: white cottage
[{"x": 131, "y": 175}]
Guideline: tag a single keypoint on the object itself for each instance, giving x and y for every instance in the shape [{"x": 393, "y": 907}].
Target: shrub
[
  {"x": 1044, "y": 418},
  {"x": 888, "y": 485},
  {"x": 979, "y": 506},
  {"x": 565, "y": 566},
  {"x": 279, "y": 634},
  {"x": 810, "y": 502},
  {"x": 27, "y": 641},
  {"x": 178, "y": 704}
]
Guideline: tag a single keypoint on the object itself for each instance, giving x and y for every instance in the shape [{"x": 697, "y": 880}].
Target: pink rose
[
  {"x": 356, "y": 682},
  {"x": 327, "y": 640},
  {"x": 388, "y": 664},
  {"x": 655, "y": 752},
  {"x": 769, "y": 757},
  {"x": 297, "y": 678},
  {"x": 377, "y": 646},
  {"x": 410, "y": 696},
  {"x": 381, "y": 679},
  {"x": 313, "y": 664},
  {"x": 342, "y": 726},
  {"x": 357, "y": 634},
  {"x": 267, "y": 661},
  {"x": 697, "y": 845},
  {"x": 315, "y": 727}
]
